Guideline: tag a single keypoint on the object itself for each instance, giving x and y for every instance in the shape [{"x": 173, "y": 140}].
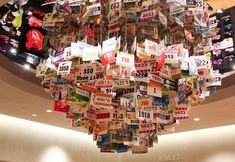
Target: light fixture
[
  {"x": 177, "y": 122},
  {"x": 34, "y": 115},
  {"x": 196, "y": 119},
  {"x": 13, "y": 50},
  {"x": 26, "y": 66},
  {"x": 234, "y": 67},
  {"x": 48, "y": 110},
  {"x": 29, "y": 13},
  {"x": 219, "y": 10}
]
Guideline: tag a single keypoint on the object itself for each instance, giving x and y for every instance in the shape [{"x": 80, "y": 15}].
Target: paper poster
[
  {"x": 161, "y": 56},
  {"x": 162, "y": 18},
  {"x": 213, "y": 22},
  {"x": 192, "y": 67},
  {"x": 151, "y": 48},
  {"x": 91, "y": 53},
  {"x": 154, "y": 90},
  {"x": 147, "y": 15},
  {"x": 125, "y": 60},
  {"x": 78, "y": 48},
  {"x": 116, "y": 5},
  {"x": 145, "y": 103},
  {"x": 201, "y": 61},
  {"x": 181, "y": 113},
  {"x": 64, "y": 67},
  {"x": 103, "y": 100},
  {"x": 216, "y": 80},
  {"x": 94, "y": 9}
]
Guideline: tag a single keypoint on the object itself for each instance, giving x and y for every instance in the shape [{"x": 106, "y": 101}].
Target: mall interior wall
[{"x": 26, "y": 141}]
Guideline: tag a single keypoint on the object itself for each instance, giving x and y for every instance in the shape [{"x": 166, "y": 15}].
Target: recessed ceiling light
[
  {"x": 234, "y": 67},
  {"x": 196, "y": 119},
  {"x": 219, "y": 10},
  {"x": 177, "y": 122},
  {"x": 34, "y": 115},
  {"x": 48, "y": 110},
  {"x": 13, "y": 50},
  {"x": 26, "y": 66}
]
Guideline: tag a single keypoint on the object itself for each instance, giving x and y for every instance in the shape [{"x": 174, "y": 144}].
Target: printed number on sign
[
  {"x": 84, "y": 62},
  {"x": 114, "y": 5},
  {"x": 216, "y": 79},
  {"x": 88, "y": 71},
  {"x": 144, "y": 114},
  {"x": 180, "y": 112},
  {"x": 202, "y": 62},
  {"x": 169, "y": 57},
  {"x": 64, "y": 68}
]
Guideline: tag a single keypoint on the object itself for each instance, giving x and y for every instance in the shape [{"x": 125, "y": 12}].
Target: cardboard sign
[
  {"x": 125, "y": 60},
  {"x": 154, "y": 90},
  {"x": 147, "y": 15},
  {"x": 82, "y": 94},
  {"x": 216, "y": 80},
  {"x": 103, "y": 83},
  {"x": 181, "y": 113},
  {"x": 91, "y": 53},
  {"x": 103, "y": 100},
  {"x": 145, "y": 103},
  {"x": 94, "y": 9},
  {"x": 64, "y": 67},
  {"x": 213, "y": 22},
  {"x": 122, "y": 83},
  {"x": 145, "y": 115},
  {"x": 116, "y": 5},
  {"x": 151, "y": 48},
  {"x": 162, "y": 18},
  {"x": 201, "y": 61},
  {"x": 78, "y": 48},
  {"x": 108, "y": 51},
  {"x": 161, "y": 57},
  {"x": 141, "y": 53}
]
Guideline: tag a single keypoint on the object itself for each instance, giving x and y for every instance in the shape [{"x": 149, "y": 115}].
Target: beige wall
[{"x": 24, "y": 141}]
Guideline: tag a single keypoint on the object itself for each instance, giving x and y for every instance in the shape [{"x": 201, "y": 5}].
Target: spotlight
[
  {"x": 196, "y": 119},
  {"x": 29, "y": 13},
  {"x": 26, "y": 66},
  {"x": 48, "y": 111},
  {"x": 13, "y": 50},
  {"x": 34, "y": 115},
  {"x": 219, "y": 11},
  {"x": 234, "y": 67}
]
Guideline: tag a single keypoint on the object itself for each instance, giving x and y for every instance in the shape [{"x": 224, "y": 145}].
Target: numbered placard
[{"x": 64, "y": 67}]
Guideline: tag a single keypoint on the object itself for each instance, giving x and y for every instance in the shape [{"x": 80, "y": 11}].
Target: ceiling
[
  {"x": 24, "y": 97},
  {"x": 218, "y": 4}
]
